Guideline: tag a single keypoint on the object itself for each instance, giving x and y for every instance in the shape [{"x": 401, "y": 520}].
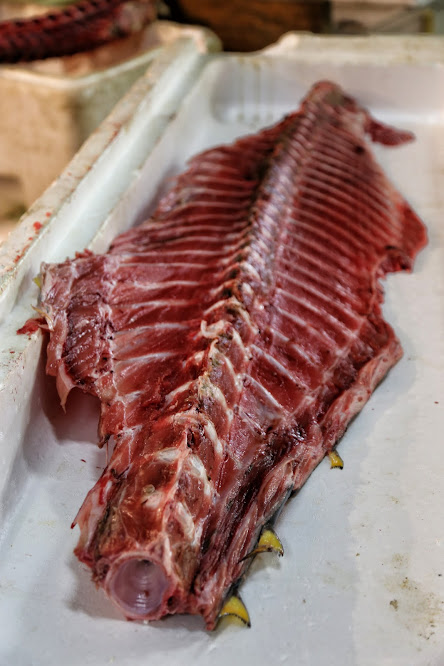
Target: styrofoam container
[
  {"x": 384, "y": 18},
  {"x": 362, "y": 579},
  {"x": 48, "y": 108}
]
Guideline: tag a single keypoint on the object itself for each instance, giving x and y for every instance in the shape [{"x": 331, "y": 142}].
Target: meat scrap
[
  {"x": 79, "y": 27},
  {"x": 230, "y": 339}
]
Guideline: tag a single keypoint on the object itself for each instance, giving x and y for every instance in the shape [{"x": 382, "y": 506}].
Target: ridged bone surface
[{"x": 230, "y": 340}]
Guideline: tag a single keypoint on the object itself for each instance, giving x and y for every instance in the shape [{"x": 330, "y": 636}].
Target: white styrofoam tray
[{"x": 362, "y": 580}]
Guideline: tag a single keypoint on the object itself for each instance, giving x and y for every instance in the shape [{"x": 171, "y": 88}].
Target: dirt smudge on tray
[{"x": 417, "y": 609}]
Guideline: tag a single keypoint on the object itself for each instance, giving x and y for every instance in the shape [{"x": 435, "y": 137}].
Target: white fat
[
  {"x": 319, "y": 333},
  {"x": 134, "y": 332},
  {"x": 211, "y": 433},
  {"x": 161, "y": 302},
  {"x": 198, "y": 470},
  {"x": 167, "y": 455},
  {"x": 153, "y": 356},
  {"x": 294, "y": 346},
  {"x": 281, "y": 369},
  {"x": 207, "y": 387},
  {"x": 221, "y": 303},
  {"x": 185, "y": 519},
  {"x": 254, "y": 257},
  {"x": 198, "y": 356},
  {"x": 180, "y": 389},
  {"x": 151, "y": 286},
  {"x": 171, "y": 264},
  {"x": 321, "y": 312},
  {"x": 313, "y": 277},
  {"x": 237, "y": 338},
  {"x": 274, "y": 409},
  {"x": 251, "y": 270},
  {"x": 214, "y": 330}
]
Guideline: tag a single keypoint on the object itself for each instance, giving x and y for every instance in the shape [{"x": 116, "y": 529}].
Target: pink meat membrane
[{"x": 137, "y": 586}]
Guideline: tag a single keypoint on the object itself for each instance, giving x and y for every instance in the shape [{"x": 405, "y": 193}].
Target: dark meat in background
[
  {"x": 79, "y": 27},
  {"x": 230, "y": 339},
  {"x": 249, "y": 25},
  {"x": 85, "y": 25}
]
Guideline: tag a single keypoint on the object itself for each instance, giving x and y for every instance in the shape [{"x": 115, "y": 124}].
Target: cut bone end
[{"x": 138, "y": 587}]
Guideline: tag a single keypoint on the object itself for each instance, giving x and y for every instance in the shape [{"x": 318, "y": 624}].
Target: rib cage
[{"x": 230, "y": 339}]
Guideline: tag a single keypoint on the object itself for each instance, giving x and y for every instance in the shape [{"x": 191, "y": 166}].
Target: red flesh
[
  {"x": 31, "y": 326},
  {"x": 230, "y": 339},
  {"x": 80, "y": 27}
]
